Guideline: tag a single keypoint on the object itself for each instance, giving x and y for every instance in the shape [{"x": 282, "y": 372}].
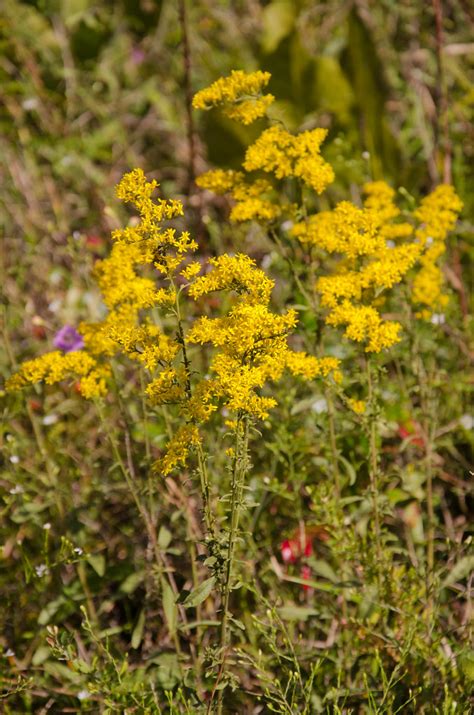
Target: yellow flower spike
[
  {"x": 437, "y": 213},
  {"x": 219, "y": 181},
  {"x": 178, "y": 448},
  {"x": 237, "y": 273},
  {"x": 56, "y": 366},
  {"x": 278, "y": 152},
  {"x": 167, "y": 388},
  {"x": 251, "y": 109},
  {"x": 238, "y": 95},
  {"x": 310, "y": 367},
  {"x": 95, "y": 383},
  {"x": 252, "y": 203},
  {"x": 364, "y": 324}
]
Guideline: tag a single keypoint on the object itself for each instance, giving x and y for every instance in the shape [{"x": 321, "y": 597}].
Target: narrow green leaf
[
  {"x": 200, "y": 593},
  {"x": 164, "y": 537},
  {"x": 459, "y": 571},
  {"x": 169, "y": 606},
  {"x": 137, "y": 634}
]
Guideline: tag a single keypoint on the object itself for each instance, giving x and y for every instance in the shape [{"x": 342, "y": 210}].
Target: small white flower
[
  {"x": 76, "y": 235},
  {"x": 429, "y": 240},
  {"x": 54, "y": 306},
  {"x": 47, "y": 526},
  {"x": 319, "y": 406},
  {"x": 438, "y": 318},
  {"x": 9, "y": 653},
  {"x": 83, "y": 695},
  {"x": 14, "y": 459},
  {"x": 467, "y": 421},
  {"x": 17, "y": 490},
  {"x": 390, "y": 244},
  {"x": 366, "y": 155},
  {"x": 78, "y": 550},
  {"x": 50, "y": 419},
  {"x": 41, "y": 570},
  {"x": 287, "y": 225},
  {"x": 55, "y": 277},
  {"x": 29, "y": 104}
]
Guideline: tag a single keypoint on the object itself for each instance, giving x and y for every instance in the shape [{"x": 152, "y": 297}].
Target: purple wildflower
[
  {"x": 68, "y": 339},
  {"x": 138, "y": 56}
]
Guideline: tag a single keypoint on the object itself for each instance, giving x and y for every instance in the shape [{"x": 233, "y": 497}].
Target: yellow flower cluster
[
  {"x": 284, "y": 155},
  {"x": 437, "y": 214},
  {"x": 378, "y": 250},
  {"x": 125, "y": 293},
  {"x": 237, "y": 273},
  {"x": 168, "y": 387},
  {"x": 251, "y": 341},
  {"x": 372, "y": 262},
  {"x": 165, "y": 248},
  {"x": 178, "y": 448},
  {"x": 365, "y": 325},
  {"x": 347, "y": 229},
  {"x": 239, "y": 95},
  {"x": 252, "y": 202},
  {"x": 275, "y": 152},
  {"x": 56, "y": 366},
  {"x": 379, "y": 198},
  {"x": 310, "y": 367}
]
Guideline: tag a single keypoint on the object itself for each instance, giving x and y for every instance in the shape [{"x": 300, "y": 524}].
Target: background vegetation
[{"x": 89, "y": 624}]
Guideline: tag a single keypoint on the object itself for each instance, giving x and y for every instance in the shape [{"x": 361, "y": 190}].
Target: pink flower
[{"x": 287, "y": 552}]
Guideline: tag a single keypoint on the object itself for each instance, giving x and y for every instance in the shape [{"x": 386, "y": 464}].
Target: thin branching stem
[
  {"x": 374, "y": 470},
  {"x": 239, "y": 471}
]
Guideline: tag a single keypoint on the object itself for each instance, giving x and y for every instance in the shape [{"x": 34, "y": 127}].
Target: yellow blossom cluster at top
[
  {"x": 239, "y": 95},
  {"x": 276, "y": 152},
  {"x": 377, "y": 247}
]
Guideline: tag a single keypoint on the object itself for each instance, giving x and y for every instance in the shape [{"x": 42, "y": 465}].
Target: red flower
[
  {"x": 287, "y": 553},
  {"x": 293, "y": 549},
  {"x": 411, "y": 430},
  {"x": 306, "y": 576}
]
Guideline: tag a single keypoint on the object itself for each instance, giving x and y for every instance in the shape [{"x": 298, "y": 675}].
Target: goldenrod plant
[{"x": 271, "y": 428}]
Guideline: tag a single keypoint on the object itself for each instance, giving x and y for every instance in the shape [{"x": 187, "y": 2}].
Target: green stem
[
  {"x": 159, "y": 556},
  {"x": 202, "y": 467},
  {"x": 333, "y": 443},
  {"x": 430, "y": 524},
  {"x": 374, "y": 472},
  {"x": 239, "y": 471}
]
